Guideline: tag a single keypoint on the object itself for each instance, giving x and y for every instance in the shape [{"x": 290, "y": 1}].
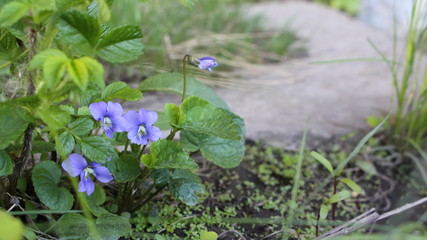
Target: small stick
[
  {"x": 232, "y": 231},
  {"x": 368, "y": 217}
]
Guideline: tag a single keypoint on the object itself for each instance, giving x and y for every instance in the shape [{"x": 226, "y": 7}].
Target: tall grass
[{"x": 410, "y": 82}]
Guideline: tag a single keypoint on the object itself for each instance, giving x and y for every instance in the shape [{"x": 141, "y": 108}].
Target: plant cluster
[{"x": 64, "y": 119}]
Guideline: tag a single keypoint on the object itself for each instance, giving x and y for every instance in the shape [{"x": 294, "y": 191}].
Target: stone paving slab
[
  {"x": 277, "y": 99},
  {"x": 338, "y": 97}
]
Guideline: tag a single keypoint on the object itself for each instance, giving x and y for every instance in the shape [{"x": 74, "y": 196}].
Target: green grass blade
[
  {"x": 297, "y": 176},
  {"x": 43, "y": 212},
  {"x": 420, "y": 166},
  {"x": 359, "y": 146}
]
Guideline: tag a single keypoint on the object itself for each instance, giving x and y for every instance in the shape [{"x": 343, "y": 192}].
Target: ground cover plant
[{"x": 64, "y": 119}]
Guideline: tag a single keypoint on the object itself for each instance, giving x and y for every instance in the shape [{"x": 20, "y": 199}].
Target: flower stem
[
  {"x": 142, "y": 151},
  {"x": 126, "y": 146},
  {"x": 184, "y": 72},
  {"x": 172, "y": 134}
]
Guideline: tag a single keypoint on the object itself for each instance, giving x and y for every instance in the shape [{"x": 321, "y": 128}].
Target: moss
[{"x": 256, "y": 192}]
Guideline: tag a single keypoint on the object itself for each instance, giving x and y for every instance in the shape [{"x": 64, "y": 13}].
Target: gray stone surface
[{"x": 277, "y": 99}]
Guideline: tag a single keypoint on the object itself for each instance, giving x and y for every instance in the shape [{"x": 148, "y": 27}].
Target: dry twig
[{"x": 368, "y": 217}]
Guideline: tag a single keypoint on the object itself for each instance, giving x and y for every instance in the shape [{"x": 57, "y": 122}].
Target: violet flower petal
[
  {"x": 120, "y": 124},
  {"x": 102, "y": 174},
  {"x": 153, "y": 133},
  {"x": 109, "y": 132},
  {"x": 207, "y": 63},
  {"x": 149, "y": 117},
  {"x": 207, "y": 58},
  {"x": 74, "y": 164},
  {"x": 132, "y": 118},
  {"x": 86, "y": 184},
  {"x": 98, "y": 110},
  {"x": 114, "y": 109}
]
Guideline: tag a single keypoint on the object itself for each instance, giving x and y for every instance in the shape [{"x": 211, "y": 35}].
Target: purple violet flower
[
  {"x": 76, "y": 165},
  {"x": 141, "y": 129},
  {"x": 110, "y": 116},
  {"x": 207, "y": 63}
]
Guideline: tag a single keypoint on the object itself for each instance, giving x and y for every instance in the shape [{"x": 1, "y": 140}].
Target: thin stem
[
  {"x": 184, "y": 72},
  {"x": 334, "y": 205},
  {"x": 126, "y": 146},
  {"x": 317, "y": 223},
  {"x": 149, "y": 198},
  {"x": 142, "y": 151},
  {"x": 172, "y": 134},
  {"x": 124, "y": 197},
  {"x": 2, "y": 193},
  {"x": 5, "y": 65}
]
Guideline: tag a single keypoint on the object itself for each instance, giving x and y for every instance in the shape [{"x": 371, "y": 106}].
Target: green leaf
[
  {"x": 128, "y": 94},
  {"x": 188, "y": 3},
  {"x": 97, "y": 198},
  {"x": 41, "y": 57},
  {"x": 184, "y": 186},
  {"x": 6, "y": 164},
  {"x": 205, "y": 235},
  {"x": 9, "y": 48},
  {"x": 120, "y": 90},
  {"x": 97, "y": 149},
  {"x": 203, "y": 117},
  {"x": 30, "y": 235},
  {"x": 12, "y": 12},
  {"x": 126, "y": 168},
  {"x": 12, "y": 125},
  {"x": 338, "y": 197},
  {"x": 73, "y": 226},
  {"x": 113, "y": 88},
  {"x": 223, "y": 152},
  {"x": 112, "y": 227},
  {"x": 46, "y": 176},
  {"x": 323, "y": 161},
  {"x": 83, "y": 111},
  {"x": 81, "y": 127},
  {"x": 100, "y": 9},
  {"x": 122, "y": 44},
  {"x": 42, "y": 147},
  {"x": 80, "y": 30},
  {"x": 95, "y": 71},
  {"x": 54, "y": 69},
  {"x": 173, "y": 83},
  {"x": 69, "y": 109},
  {"x": 367, "y": 166},
  {"x": 78, "y": 73},
  {"x": 161, "y": 177},
  {"x": 168, "y": 154},
  {"x": 90, "y": 95},
  {"x": 174, "y": 114},
  {"x": 352, "y": 185},
  {"x": 162, "y": 121},
  {"x": 324, "y": 209},
  {"x": 65, "y": 144},
  {"x": 109, "y": 226},
  {"x": 10, "y": 228},
  {"x": 54, "y": 117}
]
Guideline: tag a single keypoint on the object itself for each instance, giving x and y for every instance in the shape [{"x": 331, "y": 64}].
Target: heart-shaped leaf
[{"x": 46, "y": 176}]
